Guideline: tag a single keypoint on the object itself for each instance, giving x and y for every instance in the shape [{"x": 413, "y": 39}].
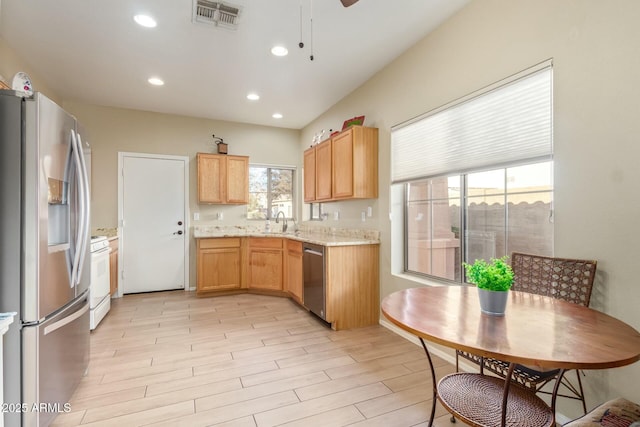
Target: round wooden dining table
[{"x": 537, "y": 331}]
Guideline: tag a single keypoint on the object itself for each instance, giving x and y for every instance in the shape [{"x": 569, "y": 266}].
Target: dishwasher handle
[{"x": 313, "y": 252}]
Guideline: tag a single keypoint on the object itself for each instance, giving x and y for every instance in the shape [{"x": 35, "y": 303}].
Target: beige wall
[
  {"x": 10, "y": 64},
  {"x": 594, "y": 46},
  {"x": 113, "y": 130}
]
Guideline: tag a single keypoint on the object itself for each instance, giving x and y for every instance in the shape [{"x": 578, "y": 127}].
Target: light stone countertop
[
  {"x": 324, "y": 236},
  {"x": 107, "y": 232}
]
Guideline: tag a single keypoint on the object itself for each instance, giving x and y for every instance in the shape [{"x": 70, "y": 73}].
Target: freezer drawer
[{"x": 55, "y": 356}]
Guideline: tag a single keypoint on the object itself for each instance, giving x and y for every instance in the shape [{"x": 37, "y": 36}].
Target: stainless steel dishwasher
[{"x": 314, "y": 280}]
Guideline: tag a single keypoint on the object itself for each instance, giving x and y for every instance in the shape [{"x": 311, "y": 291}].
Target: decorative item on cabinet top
[
  {"x": 357, "y": 121},
  {"x": 222, "y": 146},
  {"x": 322, "y": 135}
]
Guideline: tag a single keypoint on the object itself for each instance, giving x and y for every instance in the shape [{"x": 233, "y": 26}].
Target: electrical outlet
[
  {"x": 196, "y": 216},
  {"x": 336, "y": 215},
  {"x": 369, "y": 211},
  {"x": 220, "y": 216},
  {"x": 364, "y": 216}
]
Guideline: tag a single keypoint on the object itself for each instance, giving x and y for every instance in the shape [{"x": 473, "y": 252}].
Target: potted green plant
[{"x": 493, "y": 280}]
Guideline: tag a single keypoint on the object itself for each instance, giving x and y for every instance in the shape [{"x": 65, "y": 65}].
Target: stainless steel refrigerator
[{"x": 44, "y": 257}]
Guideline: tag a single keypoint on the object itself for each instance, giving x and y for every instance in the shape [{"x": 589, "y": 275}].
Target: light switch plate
[{"x": 196, "y": 216}]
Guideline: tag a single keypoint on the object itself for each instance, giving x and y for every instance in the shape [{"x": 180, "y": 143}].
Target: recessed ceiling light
[
  {"x": 277, "y": 116},
  {"x": 279, "y": 51},
  {"x": 253, "y": 97},
  {"x": 145, "y": 21},
  {"x": 155, "y": 81}
]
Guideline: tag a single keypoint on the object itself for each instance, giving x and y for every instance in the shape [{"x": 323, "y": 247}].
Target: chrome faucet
[{"x": 284, "y": 221}]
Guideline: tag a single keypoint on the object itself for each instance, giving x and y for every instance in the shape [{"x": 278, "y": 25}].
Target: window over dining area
[{"x": 477, "y": 176}]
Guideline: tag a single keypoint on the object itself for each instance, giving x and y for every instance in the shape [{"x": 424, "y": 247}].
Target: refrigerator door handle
[
  {"x": 75, "y": 272},
  {"x": 83, "y": 176},
  {"x": 66, "y": 320}
]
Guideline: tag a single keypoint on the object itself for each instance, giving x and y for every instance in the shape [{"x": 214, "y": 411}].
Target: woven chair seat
[
  {"x": 477, "y": 400},
  {"x": 524, "y": 376}
]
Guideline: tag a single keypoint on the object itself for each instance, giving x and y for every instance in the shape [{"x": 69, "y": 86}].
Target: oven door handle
[{"x": 101, "y": 251}]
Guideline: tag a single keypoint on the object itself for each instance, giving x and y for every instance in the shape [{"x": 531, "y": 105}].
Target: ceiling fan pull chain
[
  {"x": 301, "y": 44},
  {"x": 311, "y": 37}
]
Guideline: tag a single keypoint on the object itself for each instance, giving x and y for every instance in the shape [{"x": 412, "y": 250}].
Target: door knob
[
  {"x": 178, "y": 232},
  {"x": 179, "y": 222}
]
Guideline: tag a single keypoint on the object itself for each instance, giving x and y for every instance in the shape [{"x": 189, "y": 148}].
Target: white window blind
[{"x": 508, "y": 123}]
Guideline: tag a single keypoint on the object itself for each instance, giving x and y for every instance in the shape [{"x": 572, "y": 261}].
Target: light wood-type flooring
[{"x": 172, "y": 359}]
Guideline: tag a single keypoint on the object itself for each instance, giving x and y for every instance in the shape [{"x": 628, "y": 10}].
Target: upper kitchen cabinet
[
  {"x": 346, "y": 166},
  {"x": 310, "y": 175},
  {"x": 323, "y": 170},
  {"x": 223, "y": 179},
  {"x": 354, "y": 164}
]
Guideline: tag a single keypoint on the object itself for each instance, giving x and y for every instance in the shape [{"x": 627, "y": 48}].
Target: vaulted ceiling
[{"x": 94, "y": 52}]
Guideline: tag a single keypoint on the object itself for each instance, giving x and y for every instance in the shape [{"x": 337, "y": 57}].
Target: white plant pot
[{"x": 493, "y": 302}]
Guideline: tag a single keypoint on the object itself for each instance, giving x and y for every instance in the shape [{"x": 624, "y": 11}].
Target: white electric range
[{"x": 99, "y": 288}]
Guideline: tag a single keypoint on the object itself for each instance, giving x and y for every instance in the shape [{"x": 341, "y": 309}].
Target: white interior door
[{"x": 153, "y": 220}]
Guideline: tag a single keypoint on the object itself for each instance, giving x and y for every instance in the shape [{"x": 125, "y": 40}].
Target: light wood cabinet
[
  {"x": 274, "y": 266},
  {"x": 354, "y": 168},
  {"x": 352, "y": 279},
  {"x": 293, "y": 269},
  {"x": 323, "y": 170},
  {"x": 265, "y": 256},
  {"x": 113, "y": 266},
  {"x": 218, "y": 264},
  {"x": 223, "y": 179},
  {"x": 310, "y": 174},
  {"x": 346, "y": 166}
]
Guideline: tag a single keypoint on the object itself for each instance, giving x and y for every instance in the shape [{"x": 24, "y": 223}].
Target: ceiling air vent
[{"x": 216, "y": 13}]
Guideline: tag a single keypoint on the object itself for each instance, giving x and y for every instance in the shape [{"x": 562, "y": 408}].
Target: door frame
[{"x": 121, "y": 243}]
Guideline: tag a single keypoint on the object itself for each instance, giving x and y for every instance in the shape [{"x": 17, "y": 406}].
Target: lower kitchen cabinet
[
  {"x": 274, "y": 266},
  {"x": 352, "y": 292},
  {"x": 265, "y": 263},
  {"x": 218, "y": 264},
  {"x": 293, "y": 269},
  {"x": 113, "y": 266}
]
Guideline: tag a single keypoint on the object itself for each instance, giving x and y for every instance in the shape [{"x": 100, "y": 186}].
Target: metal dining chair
[{"x": 562, "y": 278}]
